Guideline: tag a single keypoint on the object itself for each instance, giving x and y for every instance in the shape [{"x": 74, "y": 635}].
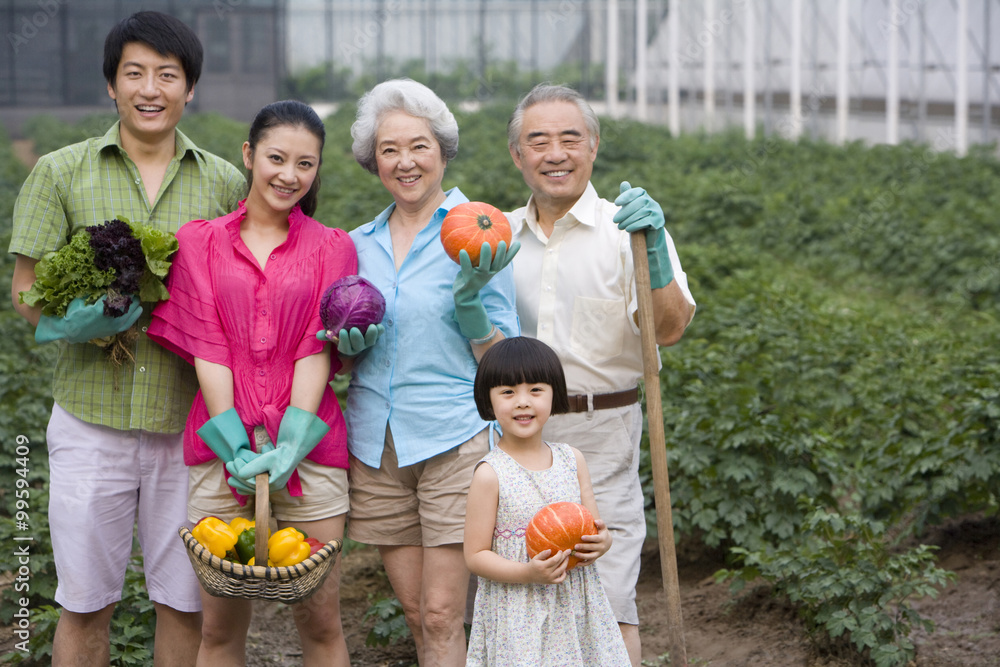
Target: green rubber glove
[
  {"x": 84, "y": 322},
  {"x": 226, "y": 436},
  {"x": 300, "y": 431},
  {"x": 470, "y": 313},
  {"x": 354, "y": 342},
  {"x": 640, "y": 213}
]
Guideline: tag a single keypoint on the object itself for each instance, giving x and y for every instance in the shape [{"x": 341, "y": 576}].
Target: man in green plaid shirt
[{"x": 114, "y": 439}]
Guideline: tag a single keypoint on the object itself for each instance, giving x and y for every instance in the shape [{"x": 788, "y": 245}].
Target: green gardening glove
[
  {"x": 354, "y": 342},
  {"x": 84, "y": 322},
  {"x": 226, "y": 436},
  {"x": 470, "y": 313},
  {"x": 640, "y": 213},
  {"x": 299, "y": 433}
]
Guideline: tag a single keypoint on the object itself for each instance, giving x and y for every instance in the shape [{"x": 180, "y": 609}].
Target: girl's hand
[
  {"x": 548, "y": 568},
  {"x": 593, "y": 546}
]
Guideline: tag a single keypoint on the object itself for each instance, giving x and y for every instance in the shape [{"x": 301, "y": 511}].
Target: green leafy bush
[
  {"x": 390, "y": 623},
  {"x": 848, "y": 584}
]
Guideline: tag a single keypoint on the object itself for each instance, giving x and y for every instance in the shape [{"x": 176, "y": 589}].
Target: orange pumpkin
[
  {"x": 559, "y": 526},
  {"x": 467, "y": 226}
]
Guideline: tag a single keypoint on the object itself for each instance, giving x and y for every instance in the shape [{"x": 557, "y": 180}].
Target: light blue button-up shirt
[{"x": 419, "y": 377}]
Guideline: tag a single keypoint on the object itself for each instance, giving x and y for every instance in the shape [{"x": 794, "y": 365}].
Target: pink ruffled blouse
[{"x": 223, "y": 308}]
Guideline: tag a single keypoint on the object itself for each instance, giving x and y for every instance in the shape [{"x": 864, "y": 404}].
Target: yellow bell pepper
[
  {"x": 302, "y": 552},
  {"x": 239, "y": 524},
  {"x": 215, "y": 535},
  {"x": 287, "y": 547}
]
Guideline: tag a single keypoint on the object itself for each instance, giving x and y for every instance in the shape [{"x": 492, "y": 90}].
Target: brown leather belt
[{"x": 616, "y": 399}]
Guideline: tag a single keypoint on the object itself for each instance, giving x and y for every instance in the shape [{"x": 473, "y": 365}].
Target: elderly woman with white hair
[{"x": 414, "y": 433}]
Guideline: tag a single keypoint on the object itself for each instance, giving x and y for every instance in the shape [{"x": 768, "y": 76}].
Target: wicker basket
[{"x": 226, "y": 579}]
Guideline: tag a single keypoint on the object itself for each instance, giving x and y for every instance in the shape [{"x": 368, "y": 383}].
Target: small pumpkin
[
  {"x": 467, "y": 226},
  {"x": 559, "y": 526}
]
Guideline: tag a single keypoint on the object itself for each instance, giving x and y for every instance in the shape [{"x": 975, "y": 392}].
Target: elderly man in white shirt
[{"x": 576, "y": 292}]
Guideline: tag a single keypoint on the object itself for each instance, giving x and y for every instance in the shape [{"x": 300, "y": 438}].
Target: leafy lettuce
[{"x": 72, "y": 272}]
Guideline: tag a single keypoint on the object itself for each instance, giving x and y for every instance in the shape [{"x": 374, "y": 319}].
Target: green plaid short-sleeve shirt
[{"x": 86, "y": 184}]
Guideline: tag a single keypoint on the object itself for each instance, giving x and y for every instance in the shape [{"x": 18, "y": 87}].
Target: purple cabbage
[
  {"x": 115, "y": 247},
  {"x": 351, "y": 302}
]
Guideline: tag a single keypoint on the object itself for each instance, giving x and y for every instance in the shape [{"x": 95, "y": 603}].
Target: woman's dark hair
[
  {"x": 161, "y": 32},
  {"x": 513, "y": 361},
  {"x": 295, "y": 114}
]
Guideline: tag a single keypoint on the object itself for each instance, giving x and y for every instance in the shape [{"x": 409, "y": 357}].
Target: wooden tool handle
[
  {"x": 658, "y": 450},
  {"x": 262, "y": 519}
]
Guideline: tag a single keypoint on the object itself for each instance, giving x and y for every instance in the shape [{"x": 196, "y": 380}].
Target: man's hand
[
  {"x": 82, "y": 322},
  {"x": 640, "y": 213}
]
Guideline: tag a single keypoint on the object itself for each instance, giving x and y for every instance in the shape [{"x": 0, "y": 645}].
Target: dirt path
[{"x": 755, "y": 631}]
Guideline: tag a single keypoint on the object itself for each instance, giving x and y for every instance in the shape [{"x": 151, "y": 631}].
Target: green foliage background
[{"x": 835, "y": 393}]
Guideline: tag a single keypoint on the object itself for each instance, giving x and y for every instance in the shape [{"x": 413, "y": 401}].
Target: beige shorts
[
  {"x": 324, "y": 494},
  {"x": 418, "y": 505}
]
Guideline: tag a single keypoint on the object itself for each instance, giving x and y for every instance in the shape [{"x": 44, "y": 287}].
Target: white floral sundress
[{"x": 557, "y": 625}]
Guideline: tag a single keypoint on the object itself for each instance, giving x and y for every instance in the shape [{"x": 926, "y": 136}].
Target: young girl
[
  {"x": 532, "y": 611},
  {"x": 244, "y": 309}
]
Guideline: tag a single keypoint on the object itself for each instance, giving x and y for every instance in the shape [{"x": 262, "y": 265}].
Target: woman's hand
[
  {"x": 548, "y": 568},
  {"x": 470, "y": 314},
  {"x": 354, "y": 342},
  {"x": 593, "y": 546}
]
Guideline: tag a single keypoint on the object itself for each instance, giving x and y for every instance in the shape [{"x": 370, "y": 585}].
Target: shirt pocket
[{"x": 598, "y": 329}]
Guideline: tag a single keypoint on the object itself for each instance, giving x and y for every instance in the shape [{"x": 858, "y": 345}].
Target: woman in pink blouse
[{"x": 244, "y": 309}]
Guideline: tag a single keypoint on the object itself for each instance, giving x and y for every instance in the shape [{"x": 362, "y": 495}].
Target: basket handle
[{"x": 262, "y": 520}]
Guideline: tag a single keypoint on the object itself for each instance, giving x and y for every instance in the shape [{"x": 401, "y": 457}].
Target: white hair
[{"x": 406, "y": 95}]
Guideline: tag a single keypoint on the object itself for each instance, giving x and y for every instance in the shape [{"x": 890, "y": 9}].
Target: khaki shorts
[
  {"x": 418, "y": 505},
  {"x": 324, "y": 494}
]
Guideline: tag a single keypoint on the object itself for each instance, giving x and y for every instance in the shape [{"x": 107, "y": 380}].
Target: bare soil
[{"x": 753, "y": 630}]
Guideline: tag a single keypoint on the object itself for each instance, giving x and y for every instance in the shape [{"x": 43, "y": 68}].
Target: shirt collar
[
  {"x": 452, "y": 198},
  {"x": 182, "y": 145},
  {"x": 584, "y": 211},
  {"x": 232, "y": 220}
]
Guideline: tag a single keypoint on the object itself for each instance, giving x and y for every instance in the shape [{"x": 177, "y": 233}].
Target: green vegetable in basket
[{"x": 245, "y": 544}]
